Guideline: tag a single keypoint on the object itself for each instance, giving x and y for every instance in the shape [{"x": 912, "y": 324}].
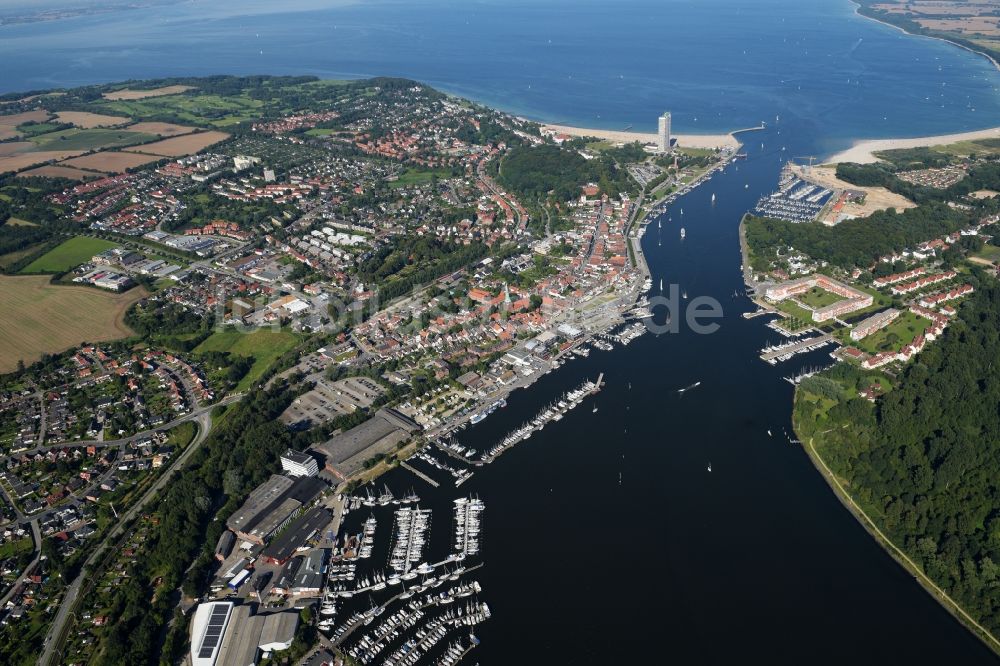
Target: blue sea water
[
  {"x": 716, "y": 64},
  {"x": 607, "y": 541}
]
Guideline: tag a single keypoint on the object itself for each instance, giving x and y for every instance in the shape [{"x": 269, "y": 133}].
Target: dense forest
[
  {"x": 857, "y": 242},
  {"x": 924, "y": 462},
  {"x": 532, "y": 173}
]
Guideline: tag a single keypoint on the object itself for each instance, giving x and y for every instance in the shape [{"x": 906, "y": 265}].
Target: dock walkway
[
  {"x": 419, "y": 473},
  {"x": 796, "y": 347}
]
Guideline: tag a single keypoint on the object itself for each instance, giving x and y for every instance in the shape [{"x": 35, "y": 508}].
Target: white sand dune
[{"x": 862, "y": 152}]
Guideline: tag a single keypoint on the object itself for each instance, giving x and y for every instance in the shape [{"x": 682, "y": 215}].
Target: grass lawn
[
  {"x": 182, "y": 435},
  {"x": 598, "y": 146},
  {"x": 18, "y": 222},
  {"x": 321, "y": 131},
  {"x": 989, "y": 252},
  {"x": 794, "y": 324},
  {"x": 68, "y": 254},
  {"x": 264, "y": 345},
  {"x": 419, "y": 176},
  {"x": 818, "y": 298},
  {"x": 13, "y": 548},
  {"x": 894, "y": 336},
  {"x": 794, "y": 309},
  {"x": 695, "y": 152},
  {"x": 90, "y": 139}
]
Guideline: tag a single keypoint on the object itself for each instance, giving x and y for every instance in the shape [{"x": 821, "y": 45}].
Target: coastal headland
[
  {"x": 708, "y": 141},
  {"x": 863, "y": 152}
]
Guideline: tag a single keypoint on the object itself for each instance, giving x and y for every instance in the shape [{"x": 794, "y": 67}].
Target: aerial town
[{"x": 363, "y": 266}]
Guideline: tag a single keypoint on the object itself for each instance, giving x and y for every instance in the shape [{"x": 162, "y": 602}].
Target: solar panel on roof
[{"x": 213, "y": 632}]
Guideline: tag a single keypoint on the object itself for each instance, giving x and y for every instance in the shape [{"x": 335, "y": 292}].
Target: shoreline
[
  {"x": 993, "y": 61},
  {"x": 891, "y": 549},
  {"x": 862, "y": 152},
  {"x": 708, "y": 141}
]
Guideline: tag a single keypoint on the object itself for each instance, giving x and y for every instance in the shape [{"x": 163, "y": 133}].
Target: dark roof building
[
  {"x": 273, "y": 505},
  {"x": 346, "y": 452},
  {"x": 296, "y": 535}
]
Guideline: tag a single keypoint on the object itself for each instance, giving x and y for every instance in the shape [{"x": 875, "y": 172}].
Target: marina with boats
[
  {"x": 783, "y": 352},
  {"x": 795, "y": 200}
]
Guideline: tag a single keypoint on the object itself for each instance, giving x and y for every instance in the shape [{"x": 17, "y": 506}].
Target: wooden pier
[{"x": 420, "y": 474}]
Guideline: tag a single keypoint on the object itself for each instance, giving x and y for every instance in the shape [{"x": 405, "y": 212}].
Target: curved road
[{"x": 56, "y": 635}]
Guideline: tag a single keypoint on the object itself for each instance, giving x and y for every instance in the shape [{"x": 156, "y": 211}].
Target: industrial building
[
  {"x": 272, "y": 505},
  {"x": 298, "y": 533},
  {"x": 309, "y": 578},
  {"x": 224, "y": 634},
  {"x": 224, "y": 545},
  {"x": 346, "y": 452}
]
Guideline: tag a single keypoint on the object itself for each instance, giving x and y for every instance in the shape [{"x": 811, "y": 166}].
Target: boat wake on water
[{"x": 688, "y": 388}]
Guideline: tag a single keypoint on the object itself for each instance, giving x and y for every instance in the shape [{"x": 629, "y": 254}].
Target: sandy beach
[
  {"x": 685, "y": 140},
  {"x": 862, "y": 152}
]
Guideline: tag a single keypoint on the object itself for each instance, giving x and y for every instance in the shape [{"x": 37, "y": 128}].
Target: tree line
[{"x": 925, "y": 459}]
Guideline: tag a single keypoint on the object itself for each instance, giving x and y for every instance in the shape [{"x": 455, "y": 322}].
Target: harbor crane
[{"x": 811, "y": 158}]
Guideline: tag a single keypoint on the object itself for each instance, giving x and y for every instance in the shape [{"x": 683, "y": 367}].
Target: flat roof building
[
  {"x": 298, "y": 533},
  {"x": 309, "y": 579},
  {"x": 207, "y": 629},
  {"x": 346, "y": 452},
  {"x": 224, "y": 634},
  {"x": 272, "y": 505},
  {"x": 296, "y": 463},
  {"x": 877, "y": 321}
]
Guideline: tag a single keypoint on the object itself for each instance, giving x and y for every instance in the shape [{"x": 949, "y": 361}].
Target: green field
[
  {"x": 68, "y": 254},
  {"x": 90, "y": 139},
  {"x": 264, "y": 345},
  {"x": 186, "y": 108}
]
